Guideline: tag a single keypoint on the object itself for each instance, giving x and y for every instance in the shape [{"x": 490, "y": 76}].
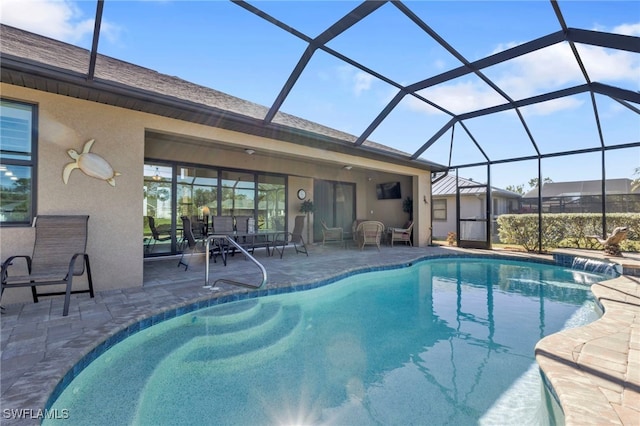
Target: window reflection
[
  {"x": 158, "y": 231},
  {"x": 17, "y": 165},
  {"x": 238, "y": 194},
  {"x": 271, "y": 203}
]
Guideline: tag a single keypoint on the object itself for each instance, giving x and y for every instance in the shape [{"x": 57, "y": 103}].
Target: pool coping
[
  {"x": 64, "y": 364},
  {"x": 594, "y": 370}
]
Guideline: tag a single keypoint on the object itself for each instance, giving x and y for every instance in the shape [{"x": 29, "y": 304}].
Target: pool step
[
  {"x": 256, "y": 317},
  {"x": 230, "y": 312},
  {"x": 271, "y": 336},
  {"x": 261, "y": 330}
]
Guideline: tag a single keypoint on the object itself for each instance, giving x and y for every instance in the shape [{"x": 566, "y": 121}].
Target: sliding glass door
[
  {"x": 159, "y": 235},
  {"x": 271, "y": 202},
  {"x": 172, "y": 191},
  {"x": 335, "y": 203}
]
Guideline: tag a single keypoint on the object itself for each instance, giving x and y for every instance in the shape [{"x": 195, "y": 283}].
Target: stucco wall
[
  {"x": 113, "y": 244},
  {"x": 121, "y": 136}
]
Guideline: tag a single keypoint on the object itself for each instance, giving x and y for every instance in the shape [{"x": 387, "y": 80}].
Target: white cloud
[
  {"x": 353, "y": 79},
  {"x": 548, "y": 69},
  {"x": 554, "y": 105},
  {"x": 610, "y": 65},
  {"x": 458, "y": 97},
  {"x": 362, "y": 82},
  {"x": 627, "y": 29},
  {"x": 58, "y": 19}
]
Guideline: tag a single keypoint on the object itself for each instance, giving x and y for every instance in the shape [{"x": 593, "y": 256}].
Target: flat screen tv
[{"x": 388, "y": 191}]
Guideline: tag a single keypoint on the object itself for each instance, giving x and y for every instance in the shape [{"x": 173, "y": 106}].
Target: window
[
  {"x": 271, "y": 202},
  {"x": 439, "y": 209},
  {"x": 173, "y": 190},
  {"x": 238, "y": 193},
  {"x": 18, "y": 127}
]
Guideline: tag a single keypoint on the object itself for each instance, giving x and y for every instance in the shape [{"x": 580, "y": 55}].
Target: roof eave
[{"x": 35, "y": 75}]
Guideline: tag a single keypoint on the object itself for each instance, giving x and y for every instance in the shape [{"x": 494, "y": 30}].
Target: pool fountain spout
[{"x": 597, "y": 266}]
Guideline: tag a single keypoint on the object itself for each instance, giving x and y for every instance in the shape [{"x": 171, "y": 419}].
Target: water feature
[{"x": 597, "y": 266}]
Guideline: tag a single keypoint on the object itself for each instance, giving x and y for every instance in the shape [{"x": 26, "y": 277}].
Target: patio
[{"x": 39, "y": 345}]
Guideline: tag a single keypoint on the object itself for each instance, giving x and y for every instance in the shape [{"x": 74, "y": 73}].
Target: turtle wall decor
[{"x": 90, "y": 164}]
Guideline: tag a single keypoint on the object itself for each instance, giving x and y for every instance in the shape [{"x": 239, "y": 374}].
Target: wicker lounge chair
[
  {"x": 331, "y": 234},
  {"x": 59, "y": 254},
  {"x": 402, "y": 235},
  {"x": 369, "y": 232}
]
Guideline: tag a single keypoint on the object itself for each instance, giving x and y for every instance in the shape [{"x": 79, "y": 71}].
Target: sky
[{"x": 222, "y": 46}]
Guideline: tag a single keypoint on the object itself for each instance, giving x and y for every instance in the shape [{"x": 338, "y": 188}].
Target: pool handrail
[{"x": 235, "y": 244}]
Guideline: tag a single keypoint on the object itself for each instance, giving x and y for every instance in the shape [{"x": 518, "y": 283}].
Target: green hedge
[{"x": 566, "y": 230}]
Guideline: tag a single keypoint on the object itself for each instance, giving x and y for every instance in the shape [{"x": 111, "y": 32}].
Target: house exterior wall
[
  {"x": 115, "y": 243},
  {"x": 442, "y": 227},
  {"x": 470, "y": 207}
]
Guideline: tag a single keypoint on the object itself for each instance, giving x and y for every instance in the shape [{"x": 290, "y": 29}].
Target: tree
[
  {"x": 636, "y": 182},
  {"x": 533, "y": 183},
  {"x": 518, "y": 189}
]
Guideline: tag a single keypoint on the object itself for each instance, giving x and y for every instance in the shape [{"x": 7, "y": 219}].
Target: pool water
[{"x": 446, "y": 341}]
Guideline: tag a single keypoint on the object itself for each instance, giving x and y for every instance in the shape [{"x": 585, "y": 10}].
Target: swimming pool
[{"x": 429, "y": 343}]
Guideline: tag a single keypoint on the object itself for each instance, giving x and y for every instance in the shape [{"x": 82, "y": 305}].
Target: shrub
[{"x": 566, "y": 230}]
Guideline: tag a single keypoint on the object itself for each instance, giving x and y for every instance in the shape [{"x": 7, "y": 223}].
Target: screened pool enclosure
[{"x": 507, "y": 94}]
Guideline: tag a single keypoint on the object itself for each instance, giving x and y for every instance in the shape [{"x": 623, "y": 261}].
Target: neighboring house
[
  {"x": 584, "y": 197},
  {"x": 178, "y": 148},
  {"x": 472, "y": 204}
]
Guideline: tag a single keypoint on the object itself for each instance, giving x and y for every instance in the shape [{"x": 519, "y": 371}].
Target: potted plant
[
  {"x": 307, "y": 207},
  {"x": 407, "y": 207}
]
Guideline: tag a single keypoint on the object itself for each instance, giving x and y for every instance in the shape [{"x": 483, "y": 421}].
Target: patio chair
[
  {"x": 155, "y": 235},
  {"x": 223, "y": 224},
  {"x": 285, "y": 238},
  {"x": 190, "y": 242},
  {"x": 242, "y": 226},
  {"x": 331, "y": 234},
  {"x": 401, "y": 234},
  {"x": 354, "y": 228},
  {"x": 59, "y": 254},
  {"x": 369, "y": 232}
]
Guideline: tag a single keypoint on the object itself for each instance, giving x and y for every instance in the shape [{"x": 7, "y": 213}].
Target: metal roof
[
  {"x": 583, "y": 188},
  {"x": 446, "y": 186}
]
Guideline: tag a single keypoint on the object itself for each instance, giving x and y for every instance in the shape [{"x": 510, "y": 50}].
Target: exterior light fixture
[
  {"x": 347, "y": 167},
  {"x": 249, "y": 151}
]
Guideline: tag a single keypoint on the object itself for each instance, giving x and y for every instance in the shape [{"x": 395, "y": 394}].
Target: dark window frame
[
  {"x": 32, "y": 163},
  {"x": 174, "y": 164}
]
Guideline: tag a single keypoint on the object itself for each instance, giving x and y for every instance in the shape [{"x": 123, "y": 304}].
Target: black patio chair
[
  {"x": 295, "y": 237},
  {"x": 155, "y": 235},
  {"x": 190, "y": 243},
  {"x": 59, "y": 254}
]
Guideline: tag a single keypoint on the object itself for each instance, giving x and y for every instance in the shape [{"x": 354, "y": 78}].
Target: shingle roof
[{"x": 29, "y": 52}]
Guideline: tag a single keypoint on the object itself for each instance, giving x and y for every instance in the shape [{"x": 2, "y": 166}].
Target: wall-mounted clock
[{"x": 302, "y": 194}]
